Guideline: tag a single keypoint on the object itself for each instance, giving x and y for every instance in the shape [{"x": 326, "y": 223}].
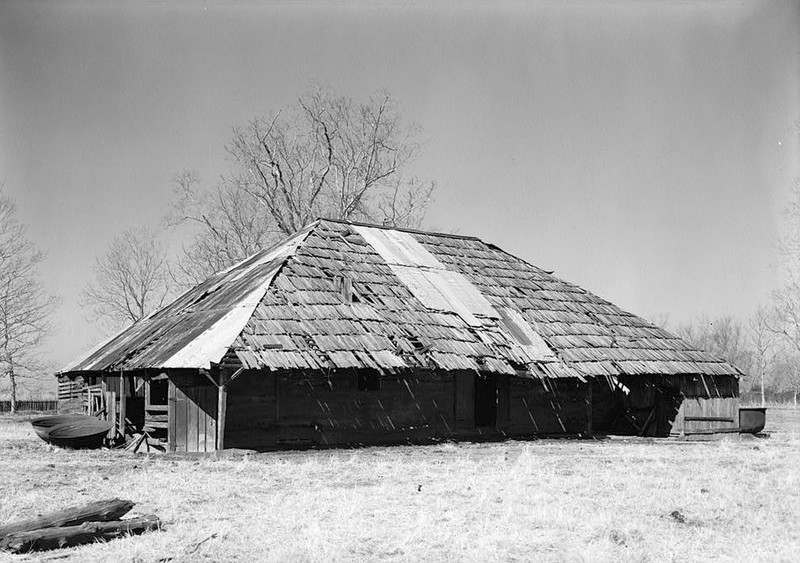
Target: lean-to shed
[{"x": 354, "y": 334}]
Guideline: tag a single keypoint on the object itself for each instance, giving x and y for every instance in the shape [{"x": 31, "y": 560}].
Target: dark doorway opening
[
  {"x": 485, "y": 400},
  {"x": 158, "y": 391}
]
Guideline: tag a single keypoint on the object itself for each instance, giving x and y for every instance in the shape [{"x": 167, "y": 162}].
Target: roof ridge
[{"x": 396, "y": 228}]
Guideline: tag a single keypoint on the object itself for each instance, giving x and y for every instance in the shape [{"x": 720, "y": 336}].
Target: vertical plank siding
[{"x": 192, "y": 420}]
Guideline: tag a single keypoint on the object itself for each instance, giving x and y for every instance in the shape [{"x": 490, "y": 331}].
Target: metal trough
[{"x": 752, "y": 419}]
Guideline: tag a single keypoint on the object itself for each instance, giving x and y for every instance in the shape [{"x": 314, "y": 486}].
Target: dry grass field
[{"x": 604, "y": 500}]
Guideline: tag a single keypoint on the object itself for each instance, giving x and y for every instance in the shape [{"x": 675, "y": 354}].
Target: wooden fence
[{"x": 5, "y": 406}]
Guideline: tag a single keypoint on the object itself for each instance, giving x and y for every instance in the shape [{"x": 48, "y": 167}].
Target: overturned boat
[
  {"x": 43, "y": 424},
  {"x": 72, "y": 431}
]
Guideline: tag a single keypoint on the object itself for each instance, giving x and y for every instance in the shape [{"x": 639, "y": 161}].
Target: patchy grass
[{"x": 628, "y": 500}]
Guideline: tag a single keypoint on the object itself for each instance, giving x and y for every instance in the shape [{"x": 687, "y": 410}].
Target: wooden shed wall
[
  {"x": 286, "y": 409},
  {"x": 251, "y": 413},
  {"x": 674, "y": 405},
  {"x": 708, "y": 404},
  {"x": 313, "y": 409},
  {"x": 554, "y": 407}
]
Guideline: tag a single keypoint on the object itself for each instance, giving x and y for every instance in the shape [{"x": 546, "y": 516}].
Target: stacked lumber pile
[{"x": 77, "y": 525}]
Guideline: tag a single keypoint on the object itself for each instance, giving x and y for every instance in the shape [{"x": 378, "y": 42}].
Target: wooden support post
[
  {"x": 589, "y": 430},
  {"x": 172, "y": 414},
  {"x": 111, "y": 413},
  {"x": 103, "y": 397},
  {"x": 122, "y": 406},
  {"x": 222, "y": 404}
]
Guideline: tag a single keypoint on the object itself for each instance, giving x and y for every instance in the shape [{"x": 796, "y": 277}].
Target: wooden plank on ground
[
  {"x": 98, "y": 511},
  {"x": 69, "y": 536}
]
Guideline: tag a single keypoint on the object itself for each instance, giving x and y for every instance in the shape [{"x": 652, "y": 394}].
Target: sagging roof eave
[{"x": 400, "y": 371}]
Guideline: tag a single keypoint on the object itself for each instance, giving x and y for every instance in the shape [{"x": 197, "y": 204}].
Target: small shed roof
[{"x": 348, "y": 295}]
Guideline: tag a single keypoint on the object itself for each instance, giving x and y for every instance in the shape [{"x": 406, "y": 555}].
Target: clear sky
[{"x": 643, "y": 150}]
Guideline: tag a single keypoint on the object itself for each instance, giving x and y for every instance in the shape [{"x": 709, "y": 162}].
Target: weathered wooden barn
[{"x": 358, "y": 334}]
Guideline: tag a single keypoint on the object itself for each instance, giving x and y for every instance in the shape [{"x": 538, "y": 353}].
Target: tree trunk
[
  {"x": 69, "y": 536},
  {"x": 99, "y": 511},
  {"x": 13, "y": 379}
]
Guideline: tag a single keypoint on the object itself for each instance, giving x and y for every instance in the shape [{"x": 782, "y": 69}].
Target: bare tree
[
  {"x": 130, "y": 280},
  {"x": 26, "y": 307},
  {"x": 785, "y": 318},
  {"x": 229, "y": 225},
  {"x": 763, "y": 341},
  {"x": 328, "y": 156}
]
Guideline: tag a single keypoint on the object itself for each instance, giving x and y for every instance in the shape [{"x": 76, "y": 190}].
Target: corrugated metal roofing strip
[
  {"x": 216, "y": 307},
  {"x": 411, "y": 249},
  {"x": 523, "y": 334},
  {"x": 427, "y": 278},
  {"x": 457, "y": 285},
  {"x": 210, "y": 346}
]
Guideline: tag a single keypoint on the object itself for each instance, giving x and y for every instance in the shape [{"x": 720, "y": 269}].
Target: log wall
[
  {"x": 554, "y": 407},
  {"x": 266, "y": 410}
]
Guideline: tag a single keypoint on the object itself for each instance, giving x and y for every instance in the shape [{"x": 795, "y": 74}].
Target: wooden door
[{"x": 192, "y": 418}]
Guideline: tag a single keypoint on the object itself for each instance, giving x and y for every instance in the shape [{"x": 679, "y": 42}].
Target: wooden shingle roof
[{"x": 344, "y": 295}]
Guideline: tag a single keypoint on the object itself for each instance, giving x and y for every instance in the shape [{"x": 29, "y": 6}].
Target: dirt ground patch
[{"x": 628, "y": 500}]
